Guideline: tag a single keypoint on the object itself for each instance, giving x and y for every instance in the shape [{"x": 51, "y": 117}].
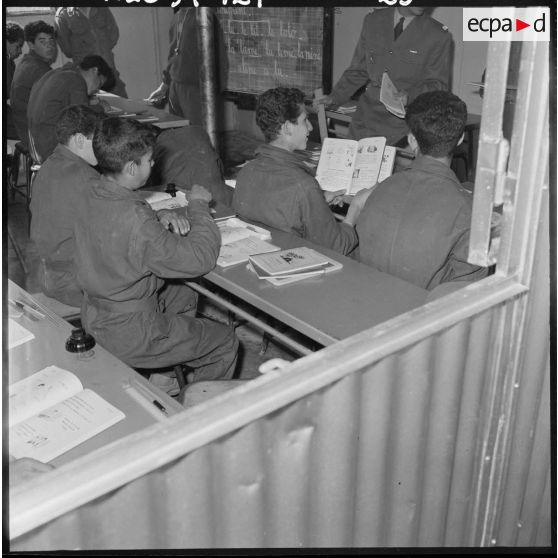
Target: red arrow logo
[{"x": 519, "y": 25}]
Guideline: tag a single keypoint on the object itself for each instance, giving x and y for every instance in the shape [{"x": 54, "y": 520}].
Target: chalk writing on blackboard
[{"x": 272, "y": 47}]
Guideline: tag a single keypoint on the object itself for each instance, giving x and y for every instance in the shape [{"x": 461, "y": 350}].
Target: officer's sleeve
[
  {"x": 170, "y": 255},
  {"x": 321, "y": 226},
  {"x": 437, "y": 68},
  {"x": 355, "y": 76},
  {"x": 173, "y": 45},
  {"x": 63, "y": 33}
]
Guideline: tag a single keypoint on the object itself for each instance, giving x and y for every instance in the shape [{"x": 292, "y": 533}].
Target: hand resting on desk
[
  {"x": 359, "y": 199},
  {"x": 174, "y": 221}
]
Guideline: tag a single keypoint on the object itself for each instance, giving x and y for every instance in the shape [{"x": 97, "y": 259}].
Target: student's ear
[
  {"x": 287, "y": 127},
  {"x": 130, "y": 168},
  {"x": 413, "y": 143},
  {"x": 80, "y": 140},
  {"x": 461, "y": 139}
]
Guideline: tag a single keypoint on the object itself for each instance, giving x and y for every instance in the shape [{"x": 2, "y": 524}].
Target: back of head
[
  {"x": 96, "y": 61},
  {"x": 32, "y": 29},
  {"x": 14, "y": 32},
  {"x": 277, "y": 106},
  {"x": 76, "y": 119},
  {"x": 437, "y": 120},
  {"x": 120, "y": 140}
]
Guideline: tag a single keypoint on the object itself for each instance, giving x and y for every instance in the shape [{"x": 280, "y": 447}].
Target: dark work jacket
[
  {"x": 186, "y": 157},
  {"x": 55, "y": 91},
  {"x": 278, "y": 190},
  {"x": 58, "y": 190},
  {"x": 418, "y": 61},
  {"x": 415, "y": 225},
  {"x": 123, "y": 257},
  {"x": 30, "y": 69}
]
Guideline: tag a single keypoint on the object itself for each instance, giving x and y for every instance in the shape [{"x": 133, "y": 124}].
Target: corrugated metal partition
[{"x": 432, "y": 429}]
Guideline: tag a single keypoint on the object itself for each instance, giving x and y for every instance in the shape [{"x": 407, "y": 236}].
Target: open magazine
[{"x": 351, "y": 165}]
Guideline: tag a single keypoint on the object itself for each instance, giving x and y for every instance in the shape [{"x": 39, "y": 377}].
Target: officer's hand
[
  {"x": 159, "y": 94},
  {"x": 199, "y": 193},
  {"x": 174, "y": 222}
]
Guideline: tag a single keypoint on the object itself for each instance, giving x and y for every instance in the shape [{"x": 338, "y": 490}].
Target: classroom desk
[
  {"x": 328, "y": 308},
  {"x": 143, "y": 109},
  {"x": 102, "y": 372}
]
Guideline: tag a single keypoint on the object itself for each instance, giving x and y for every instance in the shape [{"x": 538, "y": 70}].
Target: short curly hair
[
  {"x": 277, "y": 106},
  {"x": 14, "y": 32},
  {"x": 437, "y": 120},
  {"x": 119, "y": 140},
  {"x": 32, "y": 29}
]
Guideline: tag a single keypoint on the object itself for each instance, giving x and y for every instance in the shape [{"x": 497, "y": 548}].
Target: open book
[
  {"x": 293, "y": 264},
  {"x": 240, "y": 239},
  {"x": 162, "y": 200},
  {"x": 351, "y": 165},
  {"x": 50, "y": 413}
]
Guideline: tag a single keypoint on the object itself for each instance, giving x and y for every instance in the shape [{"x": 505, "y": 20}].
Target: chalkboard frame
[{"x": 247, "y": 101}]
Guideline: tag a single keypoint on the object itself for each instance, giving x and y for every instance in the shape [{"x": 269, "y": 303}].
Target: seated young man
[
  {"x": 43, "y": 51},
  {"x": 415, "y": 224},
  {"x": 58, "y": 190},
  {"x": 277, "y": 188},
  {"x": 58, "y": 89},
  {"x": 131, "y": 267}
]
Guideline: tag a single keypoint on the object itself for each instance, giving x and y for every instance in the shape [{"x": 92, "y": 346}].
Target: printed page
[
  {"x": 63, "y": 426},
  {"x": 388, "y": 160},
  {"x": 40, "y": 391},
  {"x": 241, "y": 250},
  {"x": 162, "y": 200},
  {"x": 235, "y": 229},
  {"x": 337, "y": 161},
  {"x": 17, "y": 334},
  {"x": 368, "y": 161},
  {"x": 389, "y": 97}
]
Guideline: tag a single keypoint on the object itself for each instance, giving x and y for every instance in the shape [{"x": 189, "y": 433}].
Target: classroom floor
[{"x": 21, "y": 269}]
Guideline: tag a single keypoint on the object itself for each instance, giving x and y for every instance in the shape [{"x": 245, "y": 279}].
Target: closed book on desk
[
  {"x": 50, "y": 413},
  {"x": 293, "y": 261},
  {"x": 240, "y": 250}
]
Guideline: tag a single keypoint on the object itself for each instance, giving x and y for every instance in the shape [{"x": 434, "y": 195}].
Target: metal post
[{"x": 208, "y": 80}]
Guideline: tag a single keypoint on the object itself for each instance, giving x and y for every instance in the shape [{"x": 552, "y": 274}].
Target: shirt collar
[
  {"x": 432, "y": 166},
  {"x": 397, "y": 16}
]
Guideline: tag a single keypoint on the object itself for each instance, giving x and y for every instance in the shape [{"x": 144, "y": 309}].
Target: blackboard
[{"x": 273, "y": 47}]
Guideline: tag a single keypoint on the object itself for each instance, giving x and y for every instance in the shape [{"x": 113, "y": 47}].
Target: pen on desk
[
  {"x": 143, "y": 396},
  {"x": 26, "y": 308}
]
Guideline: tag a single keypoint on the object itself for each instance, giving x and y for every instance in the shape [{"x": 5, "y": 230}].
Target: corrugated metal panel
[{"x": 385, "y": 456}]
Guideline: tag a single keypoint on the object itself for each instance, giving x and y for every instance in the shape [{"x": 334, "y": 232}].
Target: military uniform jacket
[
  {"x": 415, "y": 225},
  {"x": 278, "y": 190},
  {"x": 418, "y": 61},
  {"x": 79, "y": 35}
]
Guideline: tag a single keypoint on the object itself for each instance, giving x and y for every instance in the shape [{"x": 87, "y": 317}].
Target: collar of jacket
[
  {"x": 113, "y": 190},
  {"x": 283, "y": 156},
  {"x": 432, "y": 166}
]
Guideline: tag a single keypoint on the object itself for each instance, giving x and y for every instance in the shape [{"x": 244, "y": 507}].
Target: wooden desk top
[
  {"x": 328, "y": 308},
  {"x": 144, "y": 109},
  {"x": 102, "y": 372}
]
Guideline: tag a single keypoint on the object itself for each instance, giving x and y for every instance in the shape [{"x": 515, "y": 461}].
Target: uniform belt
[{"x": 122, "y": 307}]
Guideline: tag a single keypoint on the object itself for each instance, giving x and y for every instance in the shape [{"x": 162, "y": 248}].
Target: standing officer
[{"x": 414, "y": 50}]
